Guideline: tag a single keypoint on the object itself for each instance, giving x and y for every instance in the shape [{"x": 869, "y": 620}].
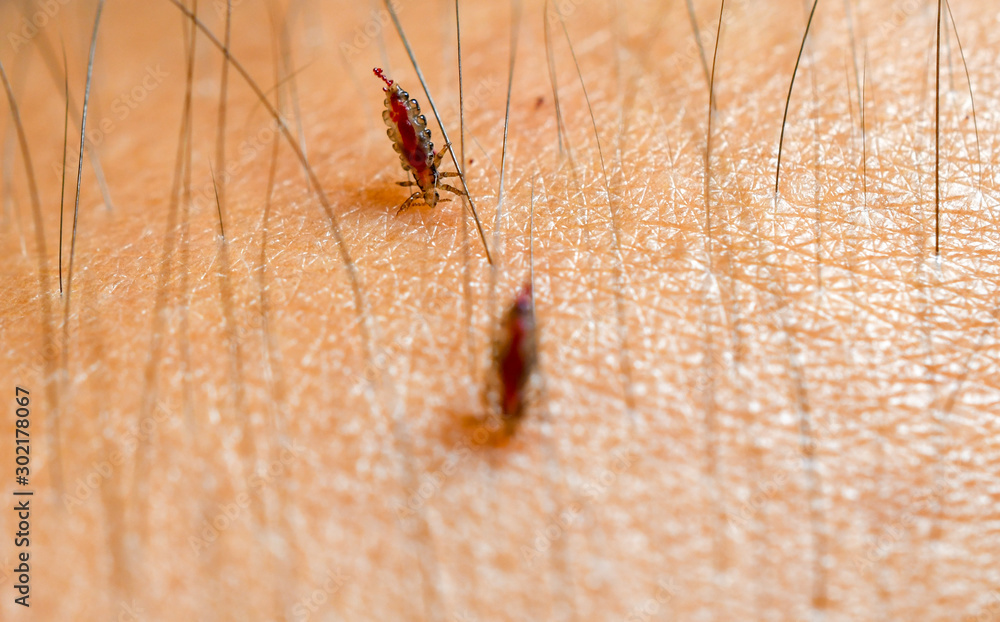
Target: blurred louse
[
  {"x": 411, "y": 139},
  {"x": 515, "y": 355}
]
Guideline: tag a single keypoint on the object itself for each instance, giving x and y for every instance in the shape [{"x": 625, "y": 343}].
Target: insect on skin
[
  {"x": 515, "y": 356},
  {"x": 411, "y": 138}
]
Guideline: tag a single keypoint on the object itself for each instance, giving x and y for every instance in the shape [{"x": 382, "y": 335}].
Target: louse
[
  {"x": 411, "y": 139},
  {"x": 515, "y": 356}
]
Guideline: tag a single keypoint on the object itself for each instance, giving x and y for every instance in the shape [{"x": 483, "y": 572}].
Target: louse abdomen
[
  {"x": 407, "y": 129},
  {"x": 516, "y": 355}
]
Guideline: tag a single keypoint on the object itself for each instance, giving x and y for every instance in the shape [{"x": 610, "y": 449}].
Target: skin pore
[{"x": 746, "y": 407}]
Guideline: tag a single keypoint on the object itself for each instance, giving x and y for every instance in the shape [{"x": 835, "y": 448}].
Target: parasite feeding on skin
[
  {"x": 515, "y": 356},
  {"x": 411, "y": 138}
]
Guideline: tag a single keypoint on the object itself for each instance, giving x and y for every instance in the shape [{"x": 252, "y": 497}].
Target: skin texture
[{"x": 766, "y": 409}]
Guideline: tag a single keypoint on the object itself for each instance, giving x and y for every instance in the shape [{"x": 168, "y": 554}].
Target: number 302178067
[{"x": 21, "y": 438}]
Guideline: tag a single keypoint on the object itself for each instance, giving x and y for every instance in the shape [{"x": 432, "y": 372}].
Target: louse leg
[
  {"x": 448, "y": 174},
  {"x": 452, "y": 189},
  {"x": 408, "y": 201},
  {"x": 440, "y": 155},
  {"x": 406, "y": 183}
]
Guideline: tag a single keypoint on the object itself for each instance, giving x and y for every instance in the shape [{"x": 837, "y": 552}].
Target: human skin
[{"x": 745, "y": 407}]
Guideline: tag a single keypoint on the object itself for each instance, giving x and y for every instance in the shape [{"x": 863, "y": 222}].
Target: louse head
[
  {"x": 388, "y": 83},
  {"x": 431, "y": 197}
]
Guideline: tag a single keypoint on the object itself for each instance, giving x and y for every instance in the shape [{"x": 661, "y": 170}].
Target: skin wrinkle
[{"x": 898, "y": 357}]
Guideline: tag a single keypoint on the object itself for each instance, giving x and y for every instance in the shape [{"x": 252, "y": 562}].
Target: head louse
[
  {"x": 411, "y": 139},
  {"x": 516, "y": 355}
]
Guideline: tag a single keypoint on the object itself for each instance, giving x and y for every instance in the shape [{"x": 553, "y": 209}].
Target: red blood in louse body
[
  {"x": 410, "y": 136},
  {"x": 412, "y": 147},
  {"x": 516, "y": 355}
]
